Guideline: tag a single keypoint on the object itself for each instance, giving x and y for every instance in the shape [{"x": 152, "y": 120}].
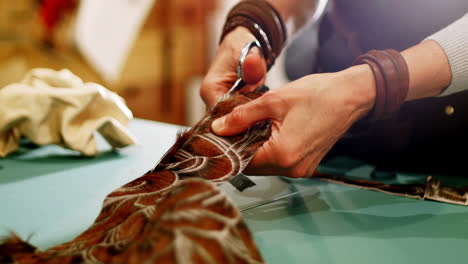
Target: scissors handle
[
  {"x": 239, "y": 84},
  {"x": 245, "y": 51}
]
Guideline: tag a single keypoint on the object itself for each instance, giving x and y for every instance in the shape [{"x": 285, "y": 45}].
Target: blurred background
[{"x": 153, "y": 53}]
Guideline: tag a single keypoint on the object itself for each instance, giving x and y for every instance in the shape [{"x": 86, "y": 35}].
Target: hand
[
  {"x": 309, "y": 115},
  {"x": 223, "y": 70}
]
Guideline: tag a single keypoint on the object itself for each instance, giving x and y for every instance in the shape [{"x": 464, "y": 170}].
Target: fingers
[
  {"x": 218, "y": 83},
  {"x": 264, "y": 164},
  {"x": 285, "y": 155},
  {"x": 242, "y": 117},
  {"x": 254, "y": 67},
  {"x": 211, "y": 96},
  {"x": 223, "y": 74}
]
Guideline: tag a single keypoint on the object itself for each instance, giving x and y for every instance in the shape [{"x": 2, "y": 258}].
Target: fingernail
[
  {"x": 218, "y": 125},
  {"x": 255, "y": 51}
]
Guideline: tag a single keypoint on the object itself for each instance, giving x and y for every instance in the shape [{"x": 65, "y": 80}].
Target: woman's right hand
[{"x": 222, "y": 73}]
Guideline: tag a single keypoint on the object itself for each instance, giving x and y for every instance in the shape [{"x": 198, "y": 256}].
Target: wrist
[
  {"x": 391, "y": 78},
  {"x": 239, "y": 35},
  {"x": 361, "y": 91},
  {"x": 263, "y": 21}
]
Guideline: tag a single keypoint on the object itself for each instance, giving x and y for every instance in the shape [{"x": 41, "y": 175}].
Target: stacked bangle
[
  {"x": 263, "y": 21},
  {"x": 391, "y": 80}
]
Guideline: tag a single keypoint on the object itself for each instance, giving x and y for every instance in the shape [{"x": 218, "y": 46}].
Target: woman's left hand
[{"x": 309, "y": 115}]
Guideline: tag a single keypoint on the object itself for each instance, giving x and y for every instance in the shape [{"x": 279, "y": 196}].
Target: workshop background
[{"x": 153, "y": 53}]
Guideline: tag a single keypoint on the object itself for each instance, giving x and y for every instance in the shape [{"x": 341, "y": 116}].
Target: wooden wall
[{"x": 170, "y": 50}]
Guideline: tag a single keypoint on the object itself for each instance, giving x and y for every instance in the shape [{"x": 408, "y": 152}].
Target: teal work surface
[{"x": 50, "y": 195}]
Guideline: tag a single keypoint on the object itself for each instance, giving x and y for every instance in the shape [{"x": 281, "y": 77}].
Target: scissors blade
[
  {"x": 239, "y": 84},
  {"x": 268, "y": 201}
]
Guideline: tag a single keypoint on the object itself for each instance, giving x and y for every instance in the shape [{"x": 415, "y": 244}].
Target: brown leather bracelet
[
  {"x": 380, "y": 97},
  {"x": 263, "y": 21},
  {"x": 403, "y": 73},
  {"x": 391, "y": 79}
]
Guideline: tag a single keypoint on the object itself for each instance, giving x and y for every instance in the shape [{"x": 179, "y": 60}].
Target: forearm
[
  {"x": 437, "y": 66},
  {"x": 429, "y": 70}
]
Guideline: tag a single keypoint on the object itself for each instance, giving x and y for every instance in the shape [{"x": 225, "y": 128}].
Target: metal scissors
[{"x": 240, "y": 83}]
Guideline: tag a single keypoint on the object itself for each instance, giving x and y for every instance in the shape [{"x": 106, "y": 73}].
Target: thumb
[
  {"x": 241, "y": 118},
  {"x": 254, "y": 67}
]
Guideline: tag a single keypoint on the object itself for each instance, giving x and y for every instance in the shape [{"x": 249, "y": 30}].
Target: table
[{"x": 51, "y": 195}]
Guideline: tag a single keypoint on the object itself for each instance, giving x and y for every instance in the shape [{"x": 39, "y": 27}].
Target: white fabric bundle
[{"x": 56, "y": 107}]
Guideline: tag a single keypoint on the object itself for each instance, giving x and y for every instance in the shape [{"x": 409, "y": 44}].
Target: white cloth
[{"x": 56, "y": 107}]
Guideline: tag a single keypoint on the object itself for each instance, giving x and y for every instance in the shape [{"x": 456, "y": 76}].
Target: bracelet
[
  {"x": 263, "y": 21},
  {"x": 391, "y": 80}
]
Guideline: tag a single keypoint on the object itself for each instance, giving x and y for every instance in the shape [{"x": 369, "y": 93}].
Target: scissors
[{"x": 240, "y": 83}]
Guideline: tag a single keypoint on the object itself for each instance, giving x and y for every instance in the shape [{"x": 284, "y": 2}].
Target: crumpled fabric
[{"x": 57, "y": 107}]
